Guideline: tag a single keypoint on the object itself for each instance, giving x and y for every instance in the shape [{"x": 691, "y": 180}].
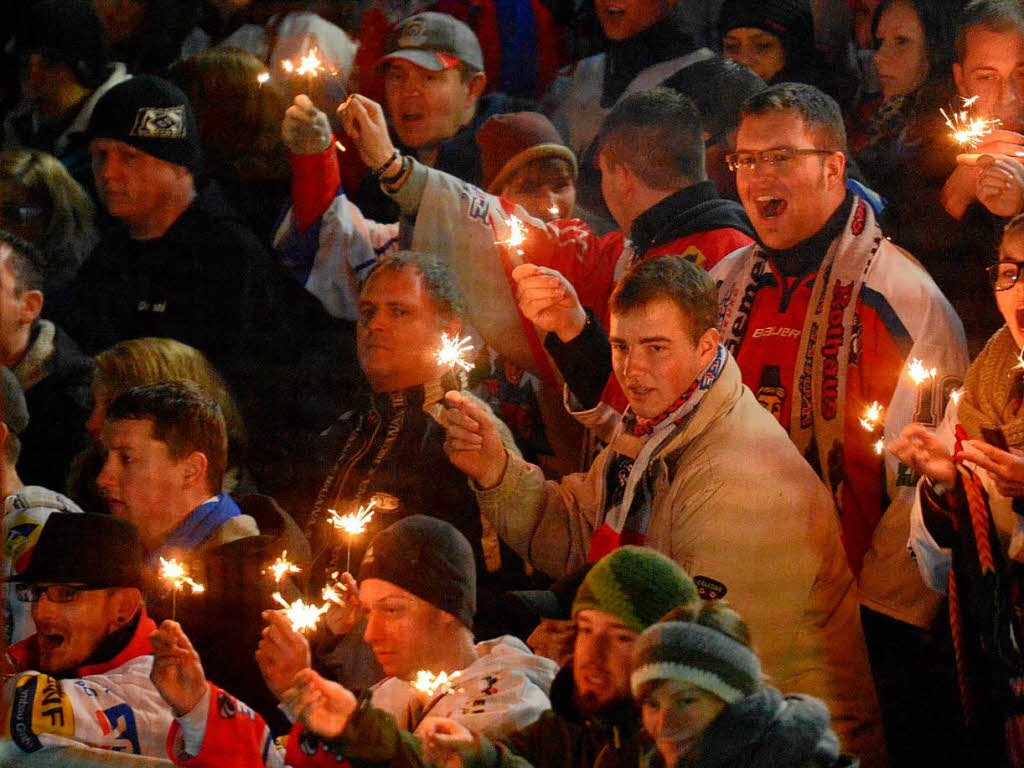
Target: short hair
[
  {"x": 657, "y": 134},
  {"x": 993, "y": 15},
  {"x": 939, "y": 26},
  {"x": 819, "y": 111},
  {"x": 23, "y": 258},
  {"x": 439, "y": 280},
  {"x": 721, "y": 95},
  {"x": 184, "y": 417},
  {"x": 670, "y": 277}
]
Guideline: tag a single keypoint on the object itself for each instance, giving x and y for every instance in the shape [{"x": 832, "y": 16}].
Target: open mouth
[
  {"x": 51, "y": 641},
  {"x": 770, "y": 207}
]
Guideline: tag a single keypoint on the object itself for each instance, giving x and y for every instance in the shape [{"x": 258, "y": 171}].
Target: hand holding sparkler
[
  {"x": 472, "y": 442},
  {"x": 443, "y": 740},
  {"x": 1000, "y": 185},
  {"x": 305, "y": 129},
  {"x": 323, "y": 706},
  {"x": 174, "y": 572},
  {"x": 925, "y": 454},
  {"x": 345, "y": 610},
  {"x": 282, "y": 652},
  {"x": 431, "y": 685},
  {"x": 363, "y": 120},
  {"x": 548, "y": 300},
  {"x": 177, "y": 670}
]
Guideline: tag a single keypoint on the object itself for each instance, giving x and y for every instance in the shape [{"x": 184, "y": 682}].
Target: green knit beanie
[{"x": 636, "y": 585}]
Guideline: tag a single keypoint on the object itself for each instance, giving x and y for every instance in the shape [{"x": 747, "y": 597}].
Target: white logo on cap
[
  {"x": 159, "y": 123},
  {"x": 414, "y": 35}
]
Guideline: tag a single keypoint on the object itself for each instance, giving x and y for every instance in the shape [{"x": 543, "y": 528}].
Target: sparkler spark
[
  {"x": 340, "y": 146},
  {"x": 280, "y": 567},
  {"x": 353, "y": 523},
  {"x": 872, "y": 416},
  {"x": 880, "y": 446},
  {"x": 453, "y": 352},
  {"x": 955, "y": 396},
  {"x": 262, "y": 77},
  {"x": 517, "y": 234},
  {"x": 919, "y": 373},
  {"x": 175, "y": 573},
  {"x": 431, "y": 684},
  {"x": 303, "y": 616},
  {"x": 553, "y": 210},
  {"x": 968, "y": 129}
]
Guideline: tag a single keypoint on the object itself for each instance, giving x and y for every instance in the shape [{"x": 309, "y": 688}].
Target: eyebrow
[{"x": 644, "y": 340}]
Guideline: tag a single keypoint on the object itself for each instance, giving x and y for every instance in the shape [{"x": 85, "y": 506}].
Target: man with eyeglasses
[
  {"x": 83, "y": 679},
  {"x": 839, "y": 313}
]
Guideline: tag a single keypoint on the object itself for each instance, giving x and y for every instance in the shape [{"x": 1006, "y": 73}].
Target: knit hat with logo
[
  {"x": 636, "y": 585},
  {"x": 434, "y": 41},
  {"x": 152, "y": 115},
  {"x": 509, "y": 141}
]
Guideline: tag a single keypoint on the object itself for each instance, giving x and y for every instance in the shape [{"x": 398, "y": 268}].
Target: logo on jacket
[
  {"x": 159, "y": 123},
  {"x": 21, "y": 537},
  {"x": 119, "y": 721},
  {"x": 771, "y": 394},
  {"x": 834, "y": 335},
  {"x": 709, "y": 589}
]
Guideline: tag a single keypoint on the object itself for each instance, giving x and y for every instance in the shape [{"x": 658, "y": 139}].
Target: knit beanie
[
  {"x": 693, "y": 653},
  {"x": 509, "y": 141},
  {"x": 67, "y": 31},
  {"x": 636, "y": 585},
  {"x": 152, "y": 115},
  {"x": 790, "y": 20},
  {"x": 429, "y": 558}
]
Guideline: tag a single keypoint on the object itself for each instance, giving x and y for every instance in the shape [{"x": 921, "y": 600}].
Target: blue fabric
[
  {"x": 517, "y": 29},
  {"x": 201, "y": 524},
  {"x": 871, "y": 197}
]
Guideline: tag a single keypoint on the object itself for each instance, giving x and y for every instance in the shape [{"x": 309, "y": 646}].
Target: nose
[
  {"x": 107, "y": 479},
  {"x": 374, "y": 629},
  {"x": 44, "y": 608},
  {"x": 631, "y": 363}
]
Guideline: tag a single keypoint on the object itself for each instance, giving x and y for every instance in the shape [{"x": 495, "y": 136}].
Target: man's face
[
  {"x": 623, "y": 19},
  {"x": 993, "y": 70},
  {"x": 787, "y": 202},
  {"x": 399, "y": 330},
  {"x": 654, "y": 356},
  {"x": 69, "y": 633},
  {"x": 544, "y": 188},
  {"x": 425, "y": 107},
  {"x": 131, "y": 184},
  {"x": 405, "y": 632},
  {"x": 602, "y": 661},
  {"x": 16, "y": 314},
  {"x": 141, "y": 481}
]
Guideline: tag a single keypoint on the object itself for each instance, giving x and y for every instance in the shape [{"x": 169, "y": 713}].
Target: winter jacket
[
  {"x": 56, "y": 378},
  {"x": 108, "y": 703},
  {"x": 776, "y": 555},
  {"x": 24, "y": 515},
  {"x": 900, "y": 316}
]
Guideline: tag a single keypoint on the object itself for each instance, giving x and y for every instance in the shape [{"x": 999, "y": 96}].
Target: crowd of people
[{"x": 509, "y": 384}]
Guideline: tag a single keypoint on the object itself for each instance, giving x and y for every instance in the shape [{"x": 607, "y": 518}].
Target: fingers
[
  {"x": 523, "y": 271},
  {"x": 975, "y": 160}
]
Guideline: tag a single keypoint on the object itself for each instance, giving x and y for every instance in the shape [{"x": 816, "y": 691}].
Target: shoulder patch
[{"x": 709, "y": 589}]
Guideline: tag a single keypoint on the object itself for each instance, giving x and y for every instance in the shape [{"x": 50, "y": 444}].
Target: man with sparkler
[
  {"x": 680, "y": 476},
  {"x": 83, "y": 678}
]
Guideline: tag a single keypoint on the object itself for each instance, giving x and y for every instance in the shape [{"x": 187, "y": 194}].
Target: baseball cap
[{"x": 434, "y": 41}]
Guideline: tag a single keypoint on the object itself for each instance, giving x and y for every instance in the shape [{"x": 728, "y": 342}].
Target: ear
[
  {"x": 958, "y": 77},
  {"x": 31, "y": 306},
  {"x": 477, "y": 84},
  {"x": 707, "y": 346},
  {"x": 835, "y": 169},
  {"x": 123, "y": 605},
  {"x": 194, "y": 469},
  {"x": 5, "y": 432}
]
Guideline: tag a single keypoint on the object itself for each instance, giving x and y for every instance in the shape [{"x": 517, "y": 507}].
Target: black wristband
[
  {"x": 394, "y": 156},
  {"x": 394, "y": 177}
]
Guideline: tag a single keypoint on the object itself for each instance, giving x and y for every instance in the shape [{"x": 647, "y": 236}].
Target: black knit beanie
[
  {"x": 429, "y": 558},
  {"x": 67, "y": 31},
  {"x": 790, "y": 20},
  {"x": 152, "y": 115}
]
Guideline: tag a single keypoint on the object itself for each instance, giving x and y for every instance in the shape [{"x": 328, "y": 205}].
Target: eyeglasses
[
  {"x": 773, "y": 158},
  {"x": 12, "y": 212},
  {"x": 1004, "y": 275},
  {"x": 55, "y": 593}
]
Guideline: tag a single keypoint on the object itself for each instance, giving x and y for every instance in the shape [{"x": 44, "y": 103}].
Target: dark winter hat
[
  {"x": 77, "y": 548},
  {"x": 790, "y": 20},
  {"x": 429, "y": 558},
  {"x": 693, "y": 653},
  {"x": 152, "y": 115},
  {"x": 434, "y": 41},
  {"x": 508, "y": 142},
  {"x": 15, "y": 410},
  {"x": 67, "y": 31},
  {"x": 636, "y": 585}
]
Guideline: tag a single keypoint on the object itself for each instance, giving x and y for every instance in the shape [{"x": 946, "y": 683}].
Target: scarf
[
  {"x": 631, "y": 472},
  {"x": 200, "y": 525},
  {"x": 35, "y": 365},
  {"x": 992, "y": 391},
  {"x": 817, "y": 416}
]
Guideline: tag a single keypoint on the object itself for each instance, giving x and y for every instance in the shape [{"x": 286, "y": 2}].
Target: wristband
[
  {"x": 392, "y": 178},
  {"x": 394, "y": 156}
]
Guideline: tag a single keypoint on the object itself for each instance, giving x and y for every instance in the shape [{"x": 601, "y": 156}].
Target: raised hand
[
  {"x": 924, "y": 453},
  {"x": 364, "y": 122},
  {"x": 1005, "y": 467},
  {"x": 1000, "y": 185},
  {"x": 549, "y": 301},
  {"x": 282, "y": 652},
  {"x": 443, "y": 741},
  {"x": 305, "y": 129},
  {"x": 177, "y": 671},
  {"x": 323, "y": 706},
  {"x": 472, "y": 442},
  {"x": 340, "y": 619}
]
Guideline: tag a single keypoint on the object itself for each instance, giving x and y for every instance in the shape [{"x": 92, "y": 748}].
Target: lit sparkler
[
  {"x": 880, "y": 445},
  {"x": 872, "y": 416},
  {"x": 174, "y": 572},
  {"x": 281, "y": 567},
  {"x": 330, "y": 591},
  {"x": 967, "y": 129},
  {"x": 955, "y": 396},
  {"x": 303, "y": 616},
  {"x": 453, "y": 352},
  {"x": 432, "y": 685},
  {"x": 353, "y": 524},
  {"x": 919, "y": 373},
  {"x": 553, "y": 210},
  {"x": 516, "y": 236},
  {"x": 263, "y": 77}
]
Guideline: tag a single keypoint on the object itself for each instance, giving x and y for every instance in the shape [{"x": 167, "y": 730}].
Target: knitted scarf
[
  {"x": 993, "y": 392},
  {"x": 200, "y": 525},
  {"x": 631, "y": 477},
  {"x": 817, "y": 415}
]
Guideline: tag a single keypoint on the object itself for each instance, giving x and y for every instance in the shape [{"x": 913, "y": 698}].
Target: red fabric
[
  {"x": 235, "y": 735},
  {"x": 296, "y": 758},
  {"x": 606, "y": 539},
  {"x": 315, "y": 182}
]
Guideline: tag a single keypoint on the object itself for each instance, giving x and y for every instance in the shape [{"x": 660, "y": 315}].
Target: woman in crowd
[
  {"x": 704, "y": 704},
  {"x": 966, "y": 529}
]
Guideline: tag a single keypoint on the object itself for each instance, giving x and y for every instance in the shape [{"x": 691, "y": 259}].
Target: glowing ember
[
  {"x": 280, "y": 567},
  {"x": 330, "y": 592},
  {"x": 302, "y": 616},
  {"x": 880, "y": 446},
  {"x": 262, "y": 77},
  {"x": 872, "y": 416},
  {"x": 955, "y": 396},
  {"x": 353, "y": 523},
  {"x": 175, "y": 573},
  {"x": 453, "y": 352},
  {"x": 553, "y": 210},
  {"x": 287, "y": 66},
  {"x": 919, "y": 373},
  {"x": 968, "y": 129},
  {"x": 340, "y": 146},
  {"x": 431, "y": 685},
  {"x": 517, "y": 234},
  {"x": 1020, "y": 361}
]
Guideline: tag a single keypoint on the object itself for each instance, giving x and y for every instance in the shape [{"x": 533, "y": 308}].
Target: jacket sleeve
[{"x": 372, "y": 737}]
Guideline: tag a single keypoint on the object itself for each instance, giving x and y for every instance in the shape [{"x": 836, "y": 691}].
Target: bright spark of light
[
  {"x": 287, "y": 66},
  {"x": 955, "y": 396},
  {"x": 303, "y": 616},
  {"x": 553, "y": 210},
  {"x": 919, "y": 373},
  {"x": 280, "y": 567},
  {"x": 872, "y": 416},
  {"x": 262, "y": 77},
  {"x": 175, "y": 573},
  {"x": 340, "y": 146},
  {"x": 353, "y": 523},
  {"x": 453, "y": 351},
  {"x": 966, "y": 128},
  {"x": 330, "y": 591},
  {"x": 431, "y": 685},
  {"x": 880, "y": 446},
  {"x": 517, "y": 234}
]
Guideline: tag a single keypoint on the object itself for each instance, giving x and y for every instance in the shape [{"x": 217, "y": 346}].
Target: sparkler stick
[
  {"x": 303, "y": 616},
  {"x": 353, "y": 524},
  {"x": 432, "y": 685},
  {"x": 175, "y": 573},
  {"x": 924, "y": 383},
  {"x": 968, "y": 129}
]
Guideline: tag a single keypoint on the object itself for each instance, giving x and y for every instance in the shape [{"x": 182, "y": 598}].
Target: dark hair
[
  {"x": 439, "y": 280},
  {"x": 818, "y": 110},
  {"x": 721, "y": 96},
  {"x": 184, "y": 417},
  {"x": 938, "y": 23},
  {"x": 24, "y": 260},
  {"x": 675, "y": 279},
  {"x": 658, "y": 136},
  {"x": 993, "y": 15}
]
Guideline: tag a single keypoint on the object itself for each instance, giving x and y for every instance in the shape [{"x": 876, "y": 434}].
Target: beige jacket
[{"x": 736, "y": 506}]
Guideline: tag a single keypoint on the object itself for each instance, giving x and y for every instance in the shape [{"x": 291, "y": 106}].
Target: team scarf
[
  {"x": 817, "y": 416},
  {"x": 992, "y": 392},
  {"x": 631, "y": 503},
  {"x": 200, "y": 525}
]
